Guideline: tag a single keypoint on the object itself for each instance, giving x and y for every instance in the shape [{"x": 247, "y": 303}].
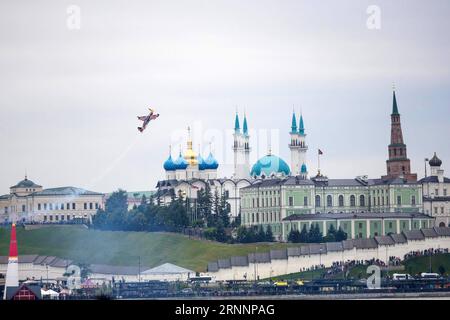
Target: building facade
[
  {"x": 29, "y": 202},
  {"x": 436, "y": 193},
  {"x": 274, "y": 201},
  {"x": 272, "y": 191}
]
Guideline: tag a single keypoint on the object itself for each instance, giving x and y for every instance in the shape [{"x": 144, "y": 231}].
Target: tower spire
[
  {"x": 301, "y": 125},
  {"x": 236, "y": 123},
  {"x": 394, "y": 102},
  {"x": 245, "y": 126},
  {"x": 398, "y": 165},
  {"x": 294, "y": 123}
]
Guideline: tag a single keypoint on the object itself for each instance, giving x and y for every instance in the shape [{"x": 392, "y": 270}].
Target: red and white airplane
[{"x": 146, "y": 119}]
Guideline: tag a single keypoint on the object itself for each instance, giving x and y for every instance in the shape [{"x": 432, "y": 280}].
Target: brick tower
[{"x": 398, "y": 164}]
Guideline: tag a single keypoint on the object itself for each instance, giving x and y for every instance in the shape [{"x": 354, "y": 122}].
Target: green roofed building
[{"x": 291, "y": 202}]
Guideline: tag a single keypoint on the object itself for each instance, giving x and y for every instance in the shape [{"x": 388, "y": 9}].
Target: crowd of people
[{"x": 424, "y": 253}]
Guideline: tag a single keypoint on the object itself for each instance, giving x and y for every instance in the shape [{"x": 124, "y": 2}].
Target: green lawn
[
  {"x": 422, "y": 264},
  {"x": 304, "y": 275},
  {"x": 124, "y": 248}
]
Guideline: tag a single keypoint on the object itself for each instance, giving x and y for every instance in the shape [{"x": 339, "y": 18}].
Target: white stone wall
[{"x": 298, "y": 263}]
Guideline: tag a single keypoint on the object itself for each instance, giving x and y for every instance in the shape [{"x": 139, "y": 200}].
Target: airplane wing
[{"x": 142, "y": 118}]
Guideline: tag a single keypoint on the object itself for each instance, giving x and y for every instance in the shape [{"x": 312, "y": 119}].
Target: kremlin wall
[{"x": 297, "y": 259}]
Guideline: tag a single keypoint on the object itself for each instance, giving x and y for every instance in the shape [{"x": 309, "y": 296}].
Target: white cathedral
[{"x": 187, "y": 174}]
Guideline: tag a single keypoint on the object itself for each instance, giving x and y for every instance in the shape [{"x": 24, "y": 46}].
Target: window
[
  {"x": 390, "y": 225},
  {"x": 362, "y": 201},
  {"x": 85, "y": 206},
  {"x": 352, "y": 201},
  {"x": 341, "y": 201},
  {"x": 399, "y": 200},
  {"x": 305, "y": 201},
  {"x": 329, "y": 201},
  {"x": 442, "y": 210},
  {"x": 62, "y": 217},
  {"x": 253, "y": 202},
  {"x": 91, "y": 206},
  {"x": 51, "y": 218},
  {"x": 413, "y": 200},
  {"x": 291, "y": 201},
  {"x": 445, "y": 192},
  {"x": 62, "y": 206},
  {"x": 56, "y": 217},
  {"x": 360, "y": 225},
  {"x": 73, "y": 206},
  {"x": 6, "y": 209},
  {"x": 68, "y": 206},
  {"x": 68, "y": 217},
  {"x": 96, "y": 206},
  {"x": 45, "y": 218},
  {"x": 23, "y": 208},
  {"x": 435, "y": 210},
  {"x": 436, "y": 192},
  {"x": 39, "y": 206},
  {"x": 317, "y": 201},
  {"x": 45, "y": 206}
]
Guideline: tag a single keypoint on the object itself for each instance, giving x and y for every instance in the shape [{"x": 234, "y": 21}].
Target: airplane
[{"x": 146, "y": 119}]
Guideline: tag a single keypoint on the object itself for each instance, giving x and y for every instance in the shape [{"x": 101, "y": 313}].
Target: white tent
[
  {"x": 167, "y": 272},
  {"x": 49, "y": 294}
]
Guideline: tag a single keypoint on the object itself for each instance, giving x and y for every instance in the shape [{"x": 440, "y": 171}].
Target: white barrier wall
[{"x": 295, "y": 264}]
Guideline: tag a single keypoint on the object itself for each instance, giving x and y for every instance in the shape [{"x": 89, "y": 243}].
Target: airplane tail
[{"x": 140, "y": 129}]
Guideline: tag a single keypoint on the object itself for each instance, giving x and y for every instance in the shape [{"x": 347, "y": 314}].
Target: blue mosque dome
[
  {"x": 201, "y": 163},
  {"x": 169, "y": 165},
  {"x": 180, "y": 163},
  {"x": 303, "y": 169},
  {"x": 269, "y": 165},
  {"x": 211, "y": 162}
]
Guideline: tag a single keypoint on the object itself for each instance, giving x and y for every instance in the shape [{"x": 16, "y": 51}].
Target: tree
[
  {"x": 340, "y": 235},
  {"x": 314, "y": 234},
  {"x": 113, "y": 217},
  {"x": 261, "y": 235},
  {"x": 294, "y": 236},
  {"x": 269, "y": 234},
  {"x": 303, "y": 237},
  {"x": 331, "y": 235},
  {"x": 442, "y": 270}
]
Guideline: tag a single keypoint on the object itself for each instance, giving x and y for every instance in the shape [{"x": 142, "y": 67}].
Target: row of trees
[
  {"x": 314, "y": 235},
  {"x": 145, "y": 217},
  {"x": 208, "y": 212},
  {"x": 249, "y": 235}
]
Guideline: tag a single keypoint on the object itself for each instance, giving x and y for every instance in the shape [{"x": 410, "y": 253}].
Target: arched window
[
  {"x": 329, "y": 201},
  {"x": 317, "y": 201},
  {"x": 362, "y": 201},
  {"x": 352, "y": 201},
  {"x": 341, "y": 200}
]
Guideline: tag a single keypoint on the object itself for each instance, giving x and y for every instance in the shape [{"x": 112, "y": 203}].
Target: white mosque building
[{"x": 190, "y": 172}]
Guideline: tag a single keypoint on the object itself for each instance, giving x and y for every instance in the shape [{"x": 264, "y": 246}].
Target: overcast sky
[{"x": 69, "y": 97}]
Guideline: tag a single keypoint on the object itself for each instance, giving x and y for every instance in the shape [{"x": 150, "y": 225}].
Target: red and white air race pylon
[{"x": 12, "y": 273}]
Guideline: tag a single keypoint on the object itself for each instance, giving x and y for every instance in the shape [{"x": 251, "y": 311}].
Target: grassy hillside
[{"x": 124, "y": 248}]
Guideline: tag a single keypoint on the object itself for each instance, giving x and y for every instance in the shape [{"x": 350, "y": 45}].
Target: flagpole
[{"x": 318, "y": 161}]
